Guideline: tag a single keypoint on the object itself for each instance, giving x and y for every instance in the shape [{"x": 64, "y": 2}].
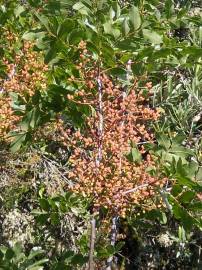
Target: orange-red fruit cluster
[
  {"x": 25, "y": 74},
  {"x": 125, "y": 120}
]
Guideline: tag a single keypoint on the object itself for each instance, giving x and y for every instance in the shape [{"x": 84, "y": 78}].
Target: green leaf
[
  {"x": 1, "y": 256},
  {"x": 199, "y": 174},
  {"x": 196, "y": 206},
  {"x": 44, "y": 204},
  {"x": 152, "y": 36},
  {"x": 184, "y": 216},
  {"x": 9, "y": 254},
  {"x": 18, "y": 141},
  {"x": 17, "y": 102},
  {"x": 180, "y": 150},
  {"x": 55, "y": 218},
  {"x": 44, "y": 21},
  {"x": 138, "y": 68},
  {"x": 118, "y": 10},
  {"x": 37, "y": 265},
  {"x": 118, "y": 71},
  {"x": 187, "y": 196},
  {"x": 134, "y": 16},
  {"x": 108, "y": 54},
  {"x": 169, "y": 8},
  {"x": 52, "y": 52},
  {"x": 42, "y": 218},
  {"x": 79, "y": 259},
  {"x": 185, "y": 181},
  {"x": 19, "y": 10},
  {"x": 35, "y": 253},
  {"x": 105, "y": 252},
  {"x": 33, "y": 36},
  {"x": 76, "y": 36},
  {"x": 181, "y": 234},
  {"x": 110, "y": 250},
  {"x": 164, "y": 141},
  {"x": 192, "y": 51},
  {"x": 200, "y": 34},
  {"x": 66, "y": 27},
  {"x": 125, "y": 27},
  {"x": 68, "y": 255},
  {"x": 30, "y": 120},
  {"x": 18, "y": 249},
  {"x": 108, "y": 28},
  {"x": 81, "y": 8},
  {"x": 119, "y": 246},
  {"x": 136, "y": 155},
  {"x": 29, "y": 36},
  {"x": 111, "y": 13},
  {"x": 156, "y": 214},
  {"x": 176, "y": 189},
  {"x": 41, "y": 192},
  {"x": 3, "y": 250},
  {"x": 179, "y": 138}
]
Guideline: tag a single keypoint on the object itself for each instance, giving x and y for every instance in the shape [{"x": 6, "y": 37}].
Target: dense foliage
[{"x": 100, "y": 134}]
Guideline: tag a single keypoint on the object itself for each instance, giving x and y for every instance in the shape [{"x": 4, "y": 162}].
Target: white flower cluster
[
  {"x": 164, "y": 240},
  {"x": 18, "y": 227}
]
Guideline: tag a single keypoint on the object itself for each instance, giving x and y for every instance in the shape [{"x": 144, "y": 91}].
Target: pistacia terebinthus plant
[{"x": 117, "y": 128}]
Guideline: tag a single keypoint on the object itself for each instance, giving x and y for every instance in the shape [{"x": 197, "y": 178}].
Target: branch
[
  {"x": 97, "y": 163},
  {"x": 136, "y": 188},
  {"x": 92, "y": 245},
  {"x": 128, "y": 68},
  {"x": 100, "y": 124},
  {"x": 165, "y": 199},
  {"x": 113, "y": 241},
  {"x": 114, "y": 219}
]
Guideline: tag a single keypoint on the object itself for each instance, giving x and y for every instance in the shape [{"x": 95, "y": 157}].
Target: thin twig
[
  {"x": 92, "y": 245},
  {"x": 165, "y": 199},
  {"x": 136, "y": 188},
  {"x": 97, "y": 163},
  {"x": 113, "y": 241},
  {"x": 114, "y": 219},
  {"x": 128, "y": 68},
  {"x": 100, "y": 125}
]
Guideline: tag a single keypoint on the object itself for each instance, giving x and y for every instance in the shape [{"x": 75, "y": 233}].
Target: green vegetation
[{"x": 100, "y": 134}]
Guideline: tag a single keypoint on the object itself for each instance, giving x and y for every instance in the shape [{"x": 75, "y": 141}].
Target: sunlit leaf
[
  {"x": 134, "y": 16},
  {"x": 152, "y": 36}
]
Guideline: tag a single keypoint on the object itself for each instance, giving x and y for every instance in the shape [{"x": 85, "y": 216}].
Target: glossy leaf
[
  {"x": 152, "y": 36},
  {"x": 17, "y": 142},
  {"x": 135, "y": 18},
  {"x": 125, "y": 27}
]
